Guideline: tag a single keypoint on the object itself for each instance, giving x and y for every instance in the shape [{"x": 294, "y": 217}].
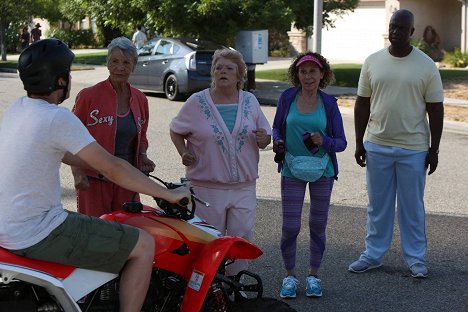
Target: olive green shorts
[{"x": 86, "y": 242}]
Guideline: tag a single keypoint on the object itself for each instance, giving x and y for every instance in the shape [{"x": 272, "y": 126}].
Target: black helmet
[{"x": 42, "y": 63}]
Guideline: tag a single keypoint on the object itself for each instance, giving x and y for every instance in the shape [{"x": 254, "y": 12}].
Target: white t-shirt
[
  {"x": 34, "y": 136},
  {"x": 139, "y": 39},
  {"x": 399, "y": 88}
]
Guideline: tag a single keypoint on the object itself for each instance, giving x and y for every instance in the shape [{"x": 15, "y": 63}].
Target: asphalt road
[{"x": 389, "y": 288}]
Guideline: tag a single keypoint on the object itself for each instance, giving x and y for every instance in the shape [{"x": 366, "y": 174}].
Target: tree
[
  {"x": 112, "y": 17},
  {"x": 303, "y": 11},
  {"x": 12, "y": 14},
  {"x": 15, "y": 14},
  {"x": 218, "y": 20},
  {"x": 222, "y": 19}
]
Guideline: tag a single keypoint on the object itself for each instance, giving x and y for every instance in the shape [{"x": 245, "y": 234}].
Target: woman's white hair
[{"x": 125, "y": 45}]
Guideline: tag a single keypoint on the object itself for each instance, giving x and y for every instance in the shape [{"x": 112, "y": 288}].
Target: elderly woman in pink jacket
[
  {"x": 218, "y": 133},
  {"x": 116, "y": 114}
]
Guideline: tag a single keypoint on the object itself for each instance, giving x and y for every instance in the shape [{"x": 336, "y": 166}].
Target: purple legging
[{"x": 292, "y": 200}]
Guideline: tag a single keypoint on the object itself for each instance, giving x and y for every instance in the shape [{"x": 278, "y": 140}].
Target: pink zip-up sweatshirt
[{"x": 224, "y": 160}]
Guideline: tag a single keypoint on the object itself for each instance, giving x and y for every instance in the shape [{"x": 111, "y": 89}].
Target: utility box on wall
[{"x": 253, "y": 45}]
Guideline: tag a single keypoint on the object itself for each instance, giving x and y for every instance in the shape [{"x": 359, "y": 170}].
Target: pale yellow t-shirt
[{"x": 399, "y": 88}]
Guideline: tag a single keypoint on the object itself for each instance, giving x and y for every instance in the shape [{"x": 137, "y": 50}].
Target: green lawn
[
  {"x": 347, "y": 75},
  {"x": 91, "y": 59},
  {"x": 8, "y": 64}
]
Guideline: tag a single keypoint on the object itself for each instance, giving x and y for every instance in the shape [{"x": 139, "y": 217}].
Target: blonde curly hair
[{"x": 234, "y": 56}]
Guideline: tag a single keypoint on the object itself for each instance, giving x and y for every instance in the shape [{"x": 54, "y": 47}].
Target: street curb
[
  {"x": 265, "y": 101},
  {"x": 8, "y": 70}
]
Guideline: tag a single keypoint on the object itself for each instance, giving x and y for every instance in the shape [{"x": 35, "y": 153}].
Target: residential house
[{"x": 364, "y": 31}]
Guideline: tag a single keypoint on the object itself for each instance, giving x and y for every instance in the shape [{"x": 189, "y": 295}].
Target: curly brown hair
[{"x": 328, "y": 76}]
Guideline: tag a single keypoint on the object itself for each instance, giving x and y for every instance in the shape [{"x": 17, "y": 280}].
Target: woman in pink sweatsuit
[
  {"x": 218, "y": 133},
  {"x": 116, "y": 115}
]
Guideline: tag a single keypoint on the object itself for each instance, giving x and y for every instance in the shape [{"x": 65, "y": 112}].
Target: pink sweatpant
[{"x": 232, "y": 212}]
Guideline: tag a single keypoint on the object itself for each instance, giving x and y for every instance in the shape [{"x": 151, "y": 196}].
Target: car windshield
[
  {"x": 202, "y": 45},
  {"x": 147, "y": 48}
]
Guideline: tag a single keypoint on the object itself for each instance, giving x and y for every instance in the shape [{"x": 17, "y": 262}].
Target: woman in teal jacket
[{"x": 307, "y": 123}]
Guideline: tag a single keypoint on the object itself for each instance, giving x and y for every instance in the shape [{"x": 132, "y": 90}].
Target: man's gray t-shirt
[{"x": 34, "y": 137}]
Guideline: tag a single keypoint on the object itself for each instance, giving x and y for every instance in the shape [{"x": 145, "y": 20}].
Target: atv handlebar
[
  {"x": 182, "y": 209},
  {"x": 184, "y": 201}
]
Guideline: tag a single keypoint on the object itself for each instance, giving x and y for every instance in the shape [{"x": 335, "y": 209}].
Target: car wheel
[{"x": 171, "y": 88}]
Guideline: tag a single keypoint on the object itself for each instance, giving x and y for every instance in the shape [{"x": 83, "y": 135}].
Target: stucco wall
[
  {"x": 356, "y": 35},
  {"x": 443, "y": 15},
  {"x": 298, "y": 40},
  {"x": 364, "y": 31}
]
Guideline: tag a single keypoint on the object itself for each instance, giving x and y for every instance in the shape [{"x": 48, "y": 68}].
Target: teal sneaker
[
  {"x": 289, "y": 287},
  {"x": 313, "y": 288}
]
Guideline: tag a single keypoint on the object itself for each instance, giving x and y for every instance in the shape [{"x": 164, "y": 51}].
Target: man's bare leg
[{"x": 135, "y": 276}]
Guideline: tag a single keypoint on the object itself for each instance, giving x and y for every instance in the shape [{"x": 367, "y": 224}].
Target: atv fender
[{"x": 209, "y": 260}]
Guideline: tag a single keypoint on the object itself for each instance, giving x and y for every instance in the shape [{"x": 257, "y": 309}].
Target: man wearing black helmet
[{"x": 36, "y": 136}]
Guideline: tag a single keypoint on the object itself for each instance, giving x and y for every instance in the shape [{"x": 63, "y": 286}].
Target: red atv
[{"x": 188, "y": 272}]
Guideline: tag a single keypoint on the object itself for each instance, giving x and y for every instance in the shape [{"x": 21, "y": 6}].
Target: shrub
[
  {"x": 279, "y": 53},
  {"x": 278, "y": 44},
  {"x": 435, "y": 54},
  {"x": 421, "y": 45},
  {"x": 74, "y": 38},
  {"x": 456, "y": 58}
]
